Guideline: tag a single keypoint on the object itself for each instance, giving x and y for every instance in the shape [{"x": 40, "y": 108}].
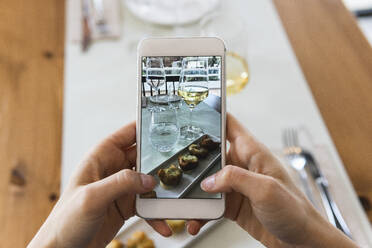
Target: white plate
[
  {"x": 176, "y": 241},
  {"x": 171, "y": 12}
]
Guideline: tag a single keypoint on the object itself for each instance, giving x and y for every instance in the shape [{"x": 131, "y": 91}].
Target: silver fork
[
  {"x": 296, "y": 159},
  {"x": 299, "y": 158}
]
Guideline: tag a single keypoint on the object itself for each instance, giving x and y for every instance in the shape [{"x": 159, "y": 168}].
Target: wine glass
[
  {"x": 237, "y": 71},
  {"x": 164, "y": 131},
  {"x": 174, "y": 100},
  {"x": 193, "y": 89},
  {"x": 155, "y": 77},
  {"x": 176, "y": 67}
]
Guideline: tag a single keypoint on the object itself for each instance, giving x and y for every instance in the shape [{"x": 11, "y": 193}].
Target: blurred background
[{"x": 293, "y": 69}]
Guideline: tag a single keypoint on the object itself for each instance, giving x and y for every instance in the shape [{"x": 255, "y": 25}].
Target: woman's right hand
[{"x": 263, "y": 200}]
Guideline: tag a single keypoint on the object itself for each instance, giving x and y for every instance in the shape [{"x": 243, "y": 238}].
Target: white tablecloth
[{"x": 100, "y": 96}]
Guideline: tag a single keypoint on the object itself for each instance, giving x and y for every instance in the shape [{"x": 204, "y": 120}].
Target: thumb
[
  {"x": 123, "y": 182},
  {"x": 234, "y": 178}
]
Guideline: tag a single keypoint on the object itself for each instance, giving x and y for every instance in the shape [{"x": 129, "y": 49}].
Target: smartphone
[{"x": 181, "y": 125}]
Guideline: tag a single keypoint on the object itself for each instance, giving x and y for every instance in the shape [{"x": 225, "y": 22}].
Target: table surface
[
  {"x": 101, "y": 83},
  {"x": 330, "y": 48},
  {"x": 31, "y": 103}
]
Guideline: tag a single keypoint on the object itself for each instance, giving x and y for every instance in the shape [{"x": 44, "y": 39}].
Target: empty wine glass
[
  {"x": 193, "y": 89},
  {"x": 155, "y": 77},
  {"x": 164, "y": 131}
]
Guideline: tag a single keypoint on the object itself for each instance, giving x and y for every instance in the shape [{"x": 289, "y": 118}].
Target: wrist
[
  {"x": 44, "y": 238},
  {"x": 321, "y": 233}
]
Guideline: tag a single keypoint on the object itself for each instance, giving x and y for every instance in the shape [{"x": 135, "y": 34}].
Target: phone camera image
[{"x": 180, "y": 124}]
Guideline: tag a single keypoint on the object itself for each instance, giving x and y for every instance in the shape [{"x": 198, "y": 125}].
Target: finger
[
  {"x": 123, "y": 182},
  {"x": 235, "y": 130},
  {"x": 126, "y": 205},
  {"x": 194, "y": 226},
  {"x": 233, "y": 178},
  {"x": 234, "y": 201},
  {"x": 228, "y": 158},
  {"x": 125, "y": 136},
  {"x": 161, "y": 227},
  {"x": 132, "y": 155}
]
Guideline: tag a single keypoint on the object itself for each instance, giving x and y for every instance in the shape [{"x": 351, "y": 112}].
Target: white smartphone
[{"x": 181, "y": 125}]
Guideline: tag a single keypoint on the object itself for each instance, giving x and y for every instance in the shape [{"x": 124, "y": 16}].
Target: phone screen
[{"x": 180, "y": 124}]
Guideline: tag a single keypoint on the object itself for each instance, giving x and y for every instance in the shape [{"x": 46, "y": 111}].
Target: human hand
[
  {"x": 99, "y": 198},
  {"x": 262, "y": 199}
]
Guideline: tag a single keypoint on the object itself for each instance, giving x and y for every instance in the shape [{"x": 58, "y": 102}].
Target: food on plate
[
  {"x": 151, "y": 194},
  {"x": 208, "y": 143},
  {"x": 188, "y": 161},
  {"x": 198, "y": 151},
  {"x": 139, "y": 239},
  {"x": 170, "y": 176},
  {"x": 115, "y": 244},
  {"x": 176, "y": 226}
]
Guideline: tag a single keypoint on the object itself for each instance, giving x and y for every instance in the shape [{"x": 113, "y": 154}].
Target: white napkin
[
  {"x": 339, "y": 190},
  {"x": 112, "y": 12}
]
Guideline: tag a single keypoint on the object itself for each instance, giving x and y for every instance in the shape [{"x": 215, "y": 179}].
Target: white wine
[
  {"x": 193, "y": 95},
  {"x": 237, "y": 73}
]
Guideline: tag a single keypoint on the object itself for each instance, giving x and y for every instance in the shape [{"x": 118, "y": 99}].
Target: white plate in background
[{"x": 171, "y": 12}]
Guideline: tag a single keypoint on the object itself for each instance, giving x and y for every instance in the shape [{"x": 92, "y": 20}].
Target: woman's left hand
[{"x": 99, "y": 198}]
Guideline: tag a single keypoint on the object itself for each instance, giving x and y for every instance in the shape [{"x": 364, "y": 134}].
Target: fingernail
[
  {"x": 147, "y": 181},
  {"x": 189, "y": 229},
  {"x": 192, "y": 229},
  {"x": 208, "y": 183}
]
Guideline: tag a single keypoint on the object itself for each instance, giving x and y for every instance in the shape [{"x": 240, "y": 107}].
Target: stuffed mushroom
[
  {"x": 170, "y": 176},
  {"x": 198, "y": 151},
  {"x": 188, "y": 162},
  {"x": 208, "y": 143}
]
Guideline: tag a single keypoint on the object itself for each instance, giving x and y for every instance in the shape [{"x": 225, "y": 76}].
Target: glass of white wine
[
  {"x": 155, "y": 77},
  {"x": 237, "y": 71},
  {"x": 193, "y": 89}
]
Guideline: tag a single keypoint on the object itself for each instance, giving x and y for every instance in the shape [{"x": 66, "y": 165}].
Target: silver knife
[{"x": 329, "y": 204}]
